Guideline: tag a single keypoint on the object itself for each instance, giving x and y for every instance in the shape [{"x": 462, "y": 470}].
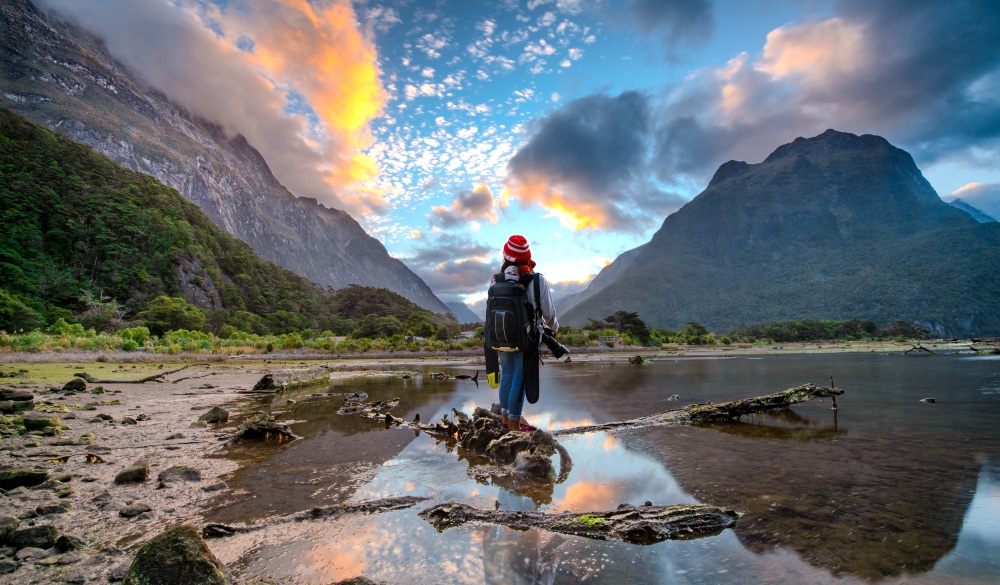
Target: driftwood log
[
  {"x": 363, "y": 507},
  {"x": 723, "y": 411},
  {"x": 283, "y": 380},
  {"x": 153, "y": 378},
  {"x": 633, "y": 524}
]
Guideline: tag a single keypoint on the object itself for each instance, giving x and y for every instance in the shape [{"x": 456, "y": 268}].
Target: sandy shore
[{"x": 167, "y": 434}]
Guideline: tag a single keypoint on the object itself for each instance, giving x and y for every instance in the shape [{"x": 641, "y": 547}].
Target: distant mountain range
[
  {"x": 463, "y": 313},
  {"x": 837, "y": 226},
  {"x": 976, "y": 213},
  {"x": 62, "y": 77}
]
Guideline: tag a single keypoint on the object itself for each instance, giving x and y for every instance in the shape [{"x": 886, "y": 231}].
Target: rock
[
  {"x": 178, "y": 555},
  {"x": 87, "y": 439},
  {"x": 178, "y": 474},
  {"x": 103, "y": 416},
  {"x": 138, "y": 473},
  {"x": 134, "y": 510},
  {"x": 173, "y": 436},
  {"x": 30, "y": 553},
  {"x": 6, "y": 407},
  {"x": 216, "y": 415},
  {"x": 68, "y": 543},
  {"x": 75, "y": 385},
  {"x": 128, "y": 420},
  {"x": 928, "y": 400},
  {"x": 102, "y": 499},
  {"x": 360, "y": 580},
  {"x": 50, "y": 509},
  {"x": 16, "y": 395},
  {"x": 118, "y": 573},
  {"x": 43, "y": 423},
  {"x": 13, "y": 478},
  {"x": 216, "y": 487},
  {"x": 8, "y": 524},
  {"x": 43, "y": 536},
  {"x": 7, "y": 566},
  {"x": 70, "y": 559}
]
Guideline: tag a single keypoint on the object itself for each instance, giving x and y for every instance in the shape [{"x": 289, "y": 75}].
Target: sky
[{"x": 444, "y": 127}]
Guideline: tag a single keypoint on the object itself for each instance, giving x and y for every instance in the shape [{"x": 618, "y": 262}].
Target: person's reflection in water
[{"x": 512, "y": 557}]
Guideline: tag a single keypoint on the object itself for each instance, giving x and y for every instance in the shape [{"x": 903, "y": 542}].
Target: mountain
[
  {"x": 606, "y": 276},
  {"x": 976, "y": 213},
  {"x": 80, "y": 228},
  {"x": 463, "y": 313},
  {"x": 62, "y": 77},
  {"x": 837, "y": 226}
]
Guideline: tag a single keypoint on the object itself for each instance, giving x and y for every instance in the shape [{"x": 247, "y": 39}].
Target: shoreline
[{"x": 166, "y": 433}]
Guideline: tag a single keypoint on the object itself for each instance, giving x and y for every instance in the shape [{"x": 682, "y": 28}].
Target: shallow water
[{"x": 885, "y": 489}]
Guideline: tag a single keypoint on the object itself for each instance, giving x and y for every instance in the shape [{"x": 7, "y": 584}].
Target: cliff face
[
  {"x": 837, "y": 226},
  {"x": 63, "y": 78}
]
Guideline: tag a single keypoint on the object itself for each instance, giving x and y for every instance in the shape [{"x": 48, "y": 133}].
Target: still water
[{"x": 886, "y": 489}]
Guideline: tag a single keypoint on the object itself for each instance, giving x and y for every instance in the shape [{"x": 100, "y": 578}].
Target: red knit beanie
[{"x": 516, "y": 250}]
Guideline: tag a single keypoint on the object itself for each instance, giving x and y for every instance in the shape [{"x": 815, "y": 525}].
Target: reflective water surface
[{"x": 885, "y": 489}]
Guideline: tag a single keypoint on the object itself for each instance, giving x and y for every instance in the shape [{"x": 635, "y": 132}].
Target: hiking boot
[{"x": 525, "y": 427}]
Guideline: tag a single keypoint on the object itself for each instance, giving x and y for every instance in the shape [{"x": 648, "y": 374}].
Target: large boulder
[
  {"x": 178, "y": 555},
  {"x": 43, "y": 536}
]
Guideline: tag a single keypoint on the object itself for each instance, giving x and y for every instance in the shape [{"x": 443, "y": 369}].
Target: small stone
[
  {"x": 8, "y": 524},
  {"x": 216, "y": 487},
  {"x": 215, "y": 415},
  {"x": 70, "y": 559},
  {"x": 104, "y": 416},
  {"x": 51, "y": 509},
  {"x": 179, "y": 473},
  {"x": 43, "y": 536},
  {"x": 68, "y": 543},
  {"x": 175, "y": 436},
  {"x": 135, "y": 474},
  {"x": 7, "y": 566},
  {"x": 19, "y": 477},
  {"x": 134, "y": 510},
  {"x": 30, "y": 553},
  {"x": 75, "y": 385},
  {"x": 128, "y": 420}
]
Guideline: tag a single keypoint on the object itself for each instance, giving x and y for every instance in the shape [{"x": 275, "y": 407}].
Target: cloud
[
  {"x": 454, "y": 265},
  {"x": 926, "y": 80},
  {"x": 676, "y": 20},
  {"x": 587, "y": 165},
  {"x": 297, "y": 79},
  {"x": 475, "y": 205},
  {"x": 983, "y": 196}
]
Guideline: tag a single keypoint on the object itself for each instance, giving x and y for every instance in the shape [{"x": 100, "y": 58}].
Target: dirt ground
[{"x": 167, "y": 434}]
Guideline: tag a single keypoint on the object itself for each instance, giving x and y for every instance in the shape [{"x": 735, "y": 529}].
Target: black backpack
[{"x": 510, "y": 317}]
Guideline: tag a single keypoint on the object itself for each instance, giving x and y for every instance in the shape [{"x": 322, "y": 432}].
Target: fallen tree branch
[
  {"x": 154, "y": 377},
  {"x": 724, "y": 411},
  {"x": 367, "y": 507},
  {"x": 633, "y": 524}
]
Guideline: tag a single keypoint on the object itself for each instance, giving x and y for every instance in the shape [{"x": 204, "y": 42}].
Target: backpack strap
[{"x": 538, "y": 295}]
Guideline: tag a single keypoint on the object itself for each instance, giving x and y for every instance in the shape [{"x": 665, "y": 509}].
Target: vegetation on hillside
[{"x": 88, "y": 242}]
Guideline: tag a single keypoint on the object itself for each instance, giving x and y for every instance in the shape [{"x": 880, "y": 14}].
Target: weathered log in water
[
  {"x": 153, "y": 378},
  {"x": 263, "y": 427},
  {"x": 286, "y": 379},
  {"x": 633, "y": 524},
  {"x": 365, "y": 507},
  {"x": 724, "y": 411}
]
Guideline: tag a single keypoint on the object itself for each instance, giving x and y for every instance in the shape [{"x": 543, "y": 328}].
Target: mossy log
[
  {"x": 723, "y": 411},
  {"x": 286, "y": 379},
  {"x": 633, "y": 524}
]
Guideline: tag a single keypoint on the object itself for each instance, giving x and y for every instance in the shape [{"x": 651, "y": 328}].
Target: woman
[{"x": 519, "y": 267}]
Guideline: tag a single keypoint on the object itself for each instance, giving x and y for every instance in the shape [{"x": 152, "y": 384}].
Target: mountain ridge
[
  {"x": 62, "y": 77},
  {"x": 837, "y": 226}
]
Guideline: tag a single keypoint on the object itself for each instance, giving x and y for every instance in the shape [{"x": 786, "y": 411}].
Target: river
[{"x": 886, "y": 488}]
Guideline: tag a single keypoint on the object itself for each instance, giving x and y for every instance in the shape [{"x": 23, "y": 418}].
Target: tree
[
  {"x": 165, "y": 313},
  {"x": 630, "y": 323}
]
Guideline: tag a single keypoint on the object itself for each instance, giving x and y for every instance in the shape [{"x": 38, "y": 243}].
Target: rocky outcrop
[{"x": 59, "y": 76}]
